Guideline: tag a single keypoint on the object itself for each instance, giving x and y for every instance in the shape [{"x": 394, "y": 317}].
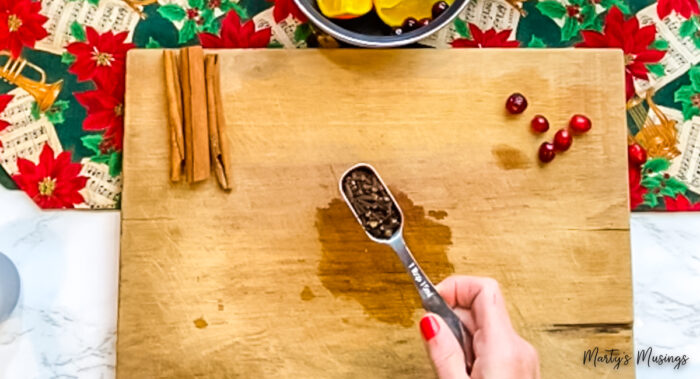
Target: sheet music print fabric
[{"x": 80, "y": 47}]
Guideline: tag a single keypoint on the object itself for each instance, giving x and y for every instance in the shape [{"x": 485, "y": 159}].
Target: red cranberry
[
  {"x": 516, "y": 103},
  {"x": 636, "y": 154},
  {"x": 439, "y": 8},
  {"x": 580, "y": 123},
  {"x": 562, "y": 140},
  {"x": 424, "y": 22},
  {"x": 539, "y": 124},
  {"x": 409, "y": 24},
  {"x": 546, "y": 152}
]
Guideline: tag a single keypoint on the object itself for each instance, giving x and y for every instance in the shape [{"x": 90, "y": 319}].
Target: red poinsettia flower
[
  {"x": 489, "y": 38},
  {"x": 4, "y": 100},
  {"x": 637, "y": 191},
  {"x": 102, "y": 57},
  {"x": 53, "y": 182},
  {"x": 284, "y": 8},
  {"x": 20, "y": 25},
  {"x": 105, "y": 111},
  {"x": 236, "y": 35},
  {"x": 633, "y": 40},
  {"x": 685, "y": 8},
  {"x": 680, "y": 204}
]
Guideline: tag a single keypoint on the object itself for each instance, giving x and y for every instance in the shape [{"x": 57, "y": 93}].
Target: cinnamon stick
[
  {"x": 174, "y": 98},
  {"x": 186, "y": 111},
  {"x": 197, "y": 165},
  {"x": 218, "y": 145}
]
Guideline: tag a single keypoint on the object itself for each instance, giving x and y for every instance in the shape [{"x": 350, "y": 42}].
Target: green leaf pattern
[
  {"x": 688, "y": 28},
  {"x": 552, "y": 9},
  {"x": 461, "y": 28},
  {"x": 112, "y": 159},
  {"x": 77, "y": 31},
  {"x": 302, "y": 32},
  {"x": 591, "y": 21},
  {"x": 620, "y": 4},
  {"x": 659, "y": 44},
  {"x": 67, "y": 58},
  {"x": 92, "y": 142},
  {"x": 656, "y": 165},
  {"x": 187, "y": 32},
  {"x": 172, "y": 12},
  {"x": 36, "y": 113},
  {"x": 53, "y": 114},
  {"x": 573, "y": 16},
  {"x": 570, "y": 29},
  {"x": 689, "y": 95},
  {"x": 199, "y": 16},
  {"x": 536, "y": 42},
  {"x": 152, "y": 43},
  {"x": 657, "y": 69},
  {"x": 659, "y": 183}
]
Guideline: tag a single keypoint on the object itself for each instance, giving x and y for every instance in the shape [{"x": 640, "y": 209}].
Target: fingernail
[{"x": 429, "y": 327}]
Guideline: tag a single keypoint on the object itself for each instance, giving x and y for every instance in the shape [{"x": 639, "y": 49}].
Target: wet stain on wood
[
  {"x": 352, "y": 266},
  {"x": 438, "y": 215},
  {"x": 306, "y": 294},
  {"x": 220, "y": 305},
  {"x": 510, "y": 158},
  {"x": 200, "y": 323}
]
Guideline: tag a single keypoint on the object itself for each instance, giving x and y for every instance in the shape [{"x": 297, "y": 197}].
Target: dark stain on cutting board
[
  {"x": 354, "y": 267},
  {"x": 510, "y": 158},
  {"x": 438, "y": 215},
  {"x": 306, "y": 294},
  {"x": 201, "y": 323}
]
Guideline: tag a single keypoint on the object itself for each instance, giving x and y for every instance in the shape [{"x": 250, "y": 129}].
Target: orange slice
[
  {"x": 344, "y": 8},
  {"x": 394, "y": 12}
]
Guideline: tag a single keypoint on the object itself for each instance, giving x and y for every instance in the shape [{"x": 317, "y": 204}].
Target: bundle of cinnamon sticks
[{"x": 196, "y": 117}]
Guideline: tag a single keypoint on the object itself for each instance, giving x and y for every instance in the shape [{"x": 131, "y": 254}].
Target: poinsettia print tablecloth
[{"x": 63, "y": 62}]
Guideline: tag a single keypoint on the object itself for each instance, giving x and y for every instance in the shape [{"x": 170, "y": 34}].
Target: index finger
[{"x": 481, "y": 296}]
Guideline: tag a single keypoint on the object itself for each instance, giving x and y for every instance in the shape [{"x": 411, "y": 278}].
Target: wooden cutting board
[{"x": 276, "y": 279}]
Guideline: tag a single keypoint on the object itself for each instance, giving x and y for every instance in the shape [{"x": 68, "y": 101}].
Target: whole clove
[{"x": 371, "y": 201}]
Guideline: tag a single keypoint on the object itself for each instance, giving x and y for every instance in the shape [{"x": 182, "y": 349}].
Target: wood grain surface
[{"x": 276, "y": 279}]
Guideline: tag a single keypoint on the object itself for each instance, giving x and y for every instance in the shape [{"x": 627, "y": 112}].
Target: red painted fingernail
[{"x": 429, "y": 327}]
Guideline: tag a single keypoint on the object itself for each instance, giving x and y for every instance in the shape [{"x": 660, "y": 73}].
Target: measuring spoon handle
[
  {"x": 433, "y": 302},
  {"x": 437, "y": 305}
]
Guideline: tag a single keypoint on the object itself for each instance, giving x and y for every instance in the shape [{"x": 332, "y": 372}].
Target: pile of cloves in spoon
[{"x": 372, "y": 203}]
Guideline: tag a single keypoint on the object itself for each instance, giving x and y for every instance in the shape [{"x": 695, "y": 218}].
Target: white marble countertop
[
  {"x": 66, "y": 319},
  {"x": 65, "y": 324}
]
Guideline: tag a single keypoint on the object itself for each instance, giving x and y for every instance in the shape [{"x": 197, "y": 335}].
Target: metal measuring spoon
[{"x": 379, "y": 214}]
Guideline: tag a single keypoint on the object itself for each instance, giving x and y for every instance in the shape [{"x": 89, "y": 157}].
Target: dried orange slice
[
  {"x": 344, "y": 8},
  {"x": 394, "y": 12}
]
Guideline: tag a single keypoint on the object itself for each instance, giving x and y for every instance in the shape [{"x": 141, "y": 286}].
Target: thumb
[{"x": 443, "y": 348}]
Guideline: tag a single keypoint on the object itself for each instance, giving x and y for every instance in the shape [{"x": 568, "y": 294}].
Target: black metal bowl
[{"x": 370, "y": 31}]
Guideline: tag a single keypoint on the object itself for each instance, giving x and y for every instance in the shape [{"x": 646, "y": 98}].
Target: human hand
[{"x": 500, "y": 353}]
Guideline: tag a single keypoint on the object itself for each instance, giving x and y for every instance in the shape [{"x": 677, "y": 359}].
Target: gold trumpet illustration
[
  {"x": 658, "y": 139},
  {"x": 45, "y": 94},
  {"x": 137, "y": 5}
]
